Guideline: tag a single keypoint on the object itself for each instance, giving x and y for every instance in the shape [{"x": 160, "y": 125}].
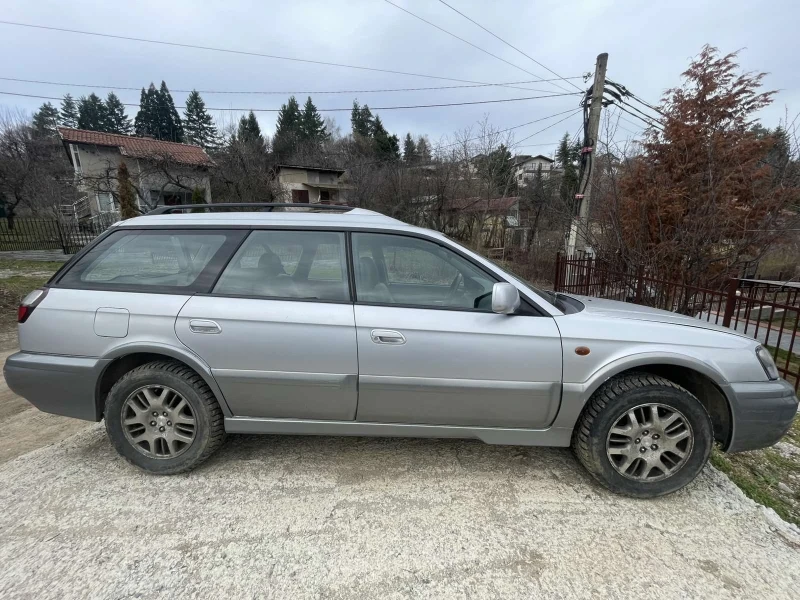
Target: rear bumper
[
  {"x": 62, "y": 385},
  {"x": 762, "y": 413}
]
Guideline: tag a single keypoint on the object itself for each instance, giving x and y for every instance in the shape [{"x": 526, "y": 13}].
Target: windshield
[{"x": 549, "y": 297}]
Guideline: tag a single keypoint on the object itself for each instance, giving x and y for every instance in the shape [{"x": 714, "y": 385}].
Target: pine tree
[
  {"x": 409, "y": 150},
  {"x": 386, "y": 146},
  {"x": 127, "y": 195},
  {"x": 146, "y": 122},
  {"x": 116, "y": 119},
  {"x": 170, "y": 126},
  {"x": 312, "y": 126},
  {"x": 567, "y": 157},
  {"x": 249, "y": 132},
  {"x": 423, "y": 150},
  {"x": 198, "y": 197},
  {"x": 288, "y": 129},
  {"x": 197, "y": 123},
  {"x": 92, "y": 114},
  {"x": 361, "y": 120},
  {"x": 69, "y": 112},
  {"x": 45, "y": 120}
]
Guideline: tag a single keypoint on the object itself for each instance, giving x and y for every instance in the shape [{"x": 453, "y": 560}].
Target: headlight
[{"x": 765, "y": 358}]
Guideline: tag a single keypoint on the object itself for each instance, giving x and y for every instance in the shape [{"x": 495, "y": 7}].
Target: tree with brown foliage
[
  {"x": 126, "y": 194},
  {"x": 701, "y": 200}
]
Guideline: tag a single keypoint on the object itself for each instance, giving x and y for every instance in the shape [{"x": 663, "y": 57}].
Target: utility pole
[{"x": 580, "y": 224}]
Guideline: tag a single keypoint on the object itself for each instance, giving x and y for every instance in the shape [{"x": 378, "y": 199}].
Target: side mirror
[{"x": 505, "y": 298}]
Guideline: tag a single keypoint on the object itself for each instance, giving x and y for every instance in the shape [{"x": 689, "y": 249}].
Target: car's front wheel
[
  {"x": 644, "y": 436},
  {"x": 163, "y": 418}
]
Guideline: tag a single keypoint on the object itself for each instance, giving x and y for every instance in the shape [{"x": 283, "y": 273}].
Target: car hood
[{"x": 614, "y": 309}]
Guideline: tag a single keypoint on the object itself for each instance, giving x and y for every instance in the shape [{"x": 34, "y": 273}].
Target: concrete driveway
[{"x": 292, "y": 517}]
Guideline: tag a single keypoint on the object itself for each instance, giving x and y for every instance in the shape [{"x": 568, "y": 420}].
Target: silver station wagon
[{"x": 179, "y": 328}]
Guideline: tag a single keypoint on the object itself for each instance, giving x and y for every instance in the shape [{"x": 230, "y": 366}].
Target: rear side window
[
  {"x": 302, "y": 265},
  {"x": 154, "y": 260}
]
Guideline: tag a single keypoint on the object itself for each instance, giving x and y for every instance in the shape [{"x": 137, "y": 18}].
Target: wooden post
[
  {"x": 557, "y": 277},
  {"x": 730, "y": 303},
  {"x": 588, "y": 283}
]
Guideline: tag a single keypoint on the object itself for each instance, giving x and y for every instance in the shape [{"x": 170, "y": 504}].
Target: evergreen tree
[
  {"x": 409, "y": 150},
  {"x": 312, "y": 126},
  {"x": 198, "y": 197},
  {"x": 147, "y": 122},
  {"x": 170, "y": 126},
  {"x": 423, "y": 150},
  {"x": 116, "y": 119},
  {"x": 361, "y": 120},
  {"x": 249, "y": 132},
  {"x": 567, "y": 157},
  {"x": 126, "y": 193},
  {"x": 198, "y": 124},
  {"x": 45, "y": 120},
  {"x": 69, "y": 112},
  {"x": 386, "y": 146},
  {"x": 289, "y": 128},
  {"x": 92, "y": 114}
]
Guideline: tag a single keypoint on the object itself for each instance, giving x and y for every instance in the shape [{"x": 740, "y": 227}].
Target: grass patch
[
  {"x": 29, "y": 265},
  {"x": 27, "y": 276}
]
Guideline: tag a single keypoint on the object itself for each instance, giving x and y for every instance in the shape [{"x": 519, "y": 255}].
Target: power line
[
  {"x": 548, "y": 127},
  {"x": 627, "y": 93},
  {"x": 232, "y": 51},
  {"x": 466, "y": 41},
  {"x": 348, "y": 109},
  {"x": 509, "y": 45},
  {"x": 653, "y": 124},
  {"x": 419, "y": 89}
]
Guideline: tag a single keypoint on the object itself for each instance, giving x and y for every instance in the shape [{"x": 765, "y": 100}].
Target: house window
[
  {"x": 300, "y": 196},
  {"x": 105, "y": 202},
  {"x": 324, "y": 196},
  {"x": 76, "y": 157}
]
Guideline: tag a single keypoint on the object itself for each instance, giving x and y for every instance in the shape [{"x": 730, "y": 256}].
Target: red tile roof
[
  {"x": 139, "y": 147},
  {"x": 501, "y": 205}
]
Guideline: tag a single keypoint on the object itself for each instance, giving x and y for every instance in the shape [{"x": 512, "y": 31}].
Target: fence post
[
  {"x": 61, "y": 236},
  {"x": 588, "y": 283},
  {"x": 730, "y": 303},
  {"x": 556, "y": 278},
  {"x": 639, "y": 284}
]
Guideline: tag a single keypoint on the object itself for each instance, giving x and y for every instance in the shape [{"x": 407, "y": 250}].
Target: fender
[
  {"x": 575, "y": 395},
  {"x": 183, "y": 355}
]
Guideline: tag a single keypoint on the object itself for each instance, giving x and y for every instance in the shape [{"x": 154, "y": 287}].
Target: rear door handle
[
  {"x": 387, "y": 336},
  {"x": 204, "y": 326}
]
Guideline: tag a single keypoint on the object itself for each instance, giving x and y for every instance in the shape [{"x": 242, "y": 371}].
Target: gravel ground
[{"x": 291, "y": 517}]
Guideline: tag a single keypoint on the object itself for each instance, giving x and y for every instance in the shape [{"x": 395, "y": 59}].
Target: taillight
[{"x": 30, "y": 302}]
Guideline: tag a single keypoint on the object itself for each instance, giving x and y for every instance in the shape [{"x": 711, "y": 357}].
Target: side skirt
[{"x": 491, "y": 435}]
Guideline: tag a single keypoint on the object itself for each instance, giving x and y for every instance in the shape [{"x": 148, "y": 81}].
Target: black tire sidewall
[
  {"x": 157, "y": 375},
  {"x": 681, "y": 400}
]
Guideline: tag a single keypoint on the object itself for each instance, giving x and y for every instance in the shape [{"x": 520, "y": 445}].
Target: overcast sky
[{"x": 649, "y": 45}]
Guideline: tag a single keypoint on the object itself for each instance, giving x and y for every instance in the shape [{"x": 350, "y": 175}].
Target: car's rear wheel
[
  {"x": 163, "y": 418},
  {"x": 644, "y": 436}
]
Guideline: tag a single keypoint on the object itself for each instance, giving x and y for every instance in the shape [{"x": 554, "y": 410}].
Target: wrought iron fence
[
  {"x": 768, "y": 311},
  {"x": 68, "y": 235}
]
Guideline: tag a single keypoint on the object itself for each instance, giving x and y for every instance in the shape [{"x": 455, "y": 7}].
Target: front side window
[
  {"x": 303, "y": 265},
  {"x": 396, "y": 269},
  {"x": 150, "y": 259}
]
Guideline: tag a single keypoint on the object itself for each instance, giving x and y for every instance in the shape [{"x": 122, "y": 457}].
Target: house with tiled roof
[{"x": 162, "y": 173}]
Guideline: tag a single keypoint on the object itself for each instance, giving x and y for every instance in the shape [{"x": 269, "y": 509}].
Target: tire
[
  {"x": 656, "y": 470},
  {"x": 198, "y": 429}
]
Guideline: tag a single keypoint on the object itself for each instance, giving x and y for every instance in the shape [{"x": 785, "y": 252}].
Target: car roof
[{"x": 354, "y": 218}]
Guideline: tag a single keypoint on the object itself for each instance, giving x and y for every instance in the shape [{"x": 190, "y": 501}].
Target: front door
[
  {"x": 278, "y": 330},
  {"x": 431, "y": 351}
]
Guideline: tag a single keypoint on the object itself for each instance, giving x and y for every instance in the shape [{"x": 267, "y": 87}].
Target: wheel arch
[
  {"x": 699, "y": 378},
  {"x": 129, "y": 356}
]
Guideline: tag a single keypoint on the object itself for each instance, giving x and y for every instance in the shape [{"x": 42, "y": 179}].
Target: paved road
[{"x": 291, "y": 517}]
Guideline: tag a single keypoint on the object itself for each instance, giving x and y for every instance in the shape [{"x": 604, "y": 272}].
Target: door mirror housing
[{"x": 505, "y": 299}]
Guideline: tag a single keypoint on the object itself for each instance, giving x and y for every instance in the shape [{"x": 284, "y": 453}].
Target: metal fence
[
  {"x": 68, "y": 235},
  {"x": 768, "y": 311}
]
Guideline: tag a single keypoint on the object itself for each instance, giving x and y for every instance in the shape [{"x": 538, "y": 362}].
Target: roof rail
[{"x": 254, "y": 206}]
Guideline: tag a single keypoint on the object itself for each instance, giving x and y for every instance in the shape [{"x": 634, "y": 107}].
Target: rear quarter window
[{"x": 154, "y": 260}]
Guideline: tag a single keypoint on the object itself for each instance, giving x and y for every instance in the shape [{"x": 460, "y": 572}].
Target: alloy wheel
[
  {"x": 650, "y": 442},
  {"x": 158, "y": 421}
]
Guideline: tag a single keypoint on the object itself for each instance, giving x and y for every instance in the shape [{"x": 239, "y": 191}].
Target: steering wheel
[{"x": 451, "y": 293}]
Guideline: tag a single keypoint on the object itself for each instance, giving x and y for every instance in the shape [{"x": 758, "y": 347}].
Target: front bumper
[
  {"x": 762, "y": 413},
  {"x": 62, "y": 385}
]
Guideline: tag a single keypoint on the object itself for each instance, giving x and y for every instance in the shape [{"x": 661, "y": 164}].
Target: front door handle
[
  {"x": 387, "y": 336},
  {"x": 204, "y": 326}
]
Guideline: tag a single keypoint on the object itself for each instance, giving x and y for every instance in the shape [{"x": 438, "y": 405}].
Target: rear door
[
  {"x": 278, "y": 329},
  {"x": 430, "y": 349}
]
